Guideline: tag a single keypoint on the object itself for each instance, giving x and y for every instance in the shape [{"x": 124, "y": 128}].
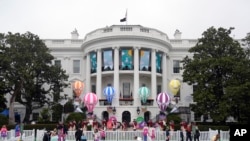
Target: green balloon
[{"x": 139, "y": 119}]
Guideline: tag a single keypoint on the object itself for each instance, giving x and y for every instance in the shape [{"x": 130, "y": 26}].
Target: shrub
[
  {"x": 76, "y": 116},
  {"x": 176, "y": 118},
  {"x": 3, "y": 120}
]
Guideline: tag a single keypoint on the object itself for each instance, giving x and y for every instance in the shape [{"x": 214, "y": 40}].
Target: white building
[{"x": 126, "y": 57}]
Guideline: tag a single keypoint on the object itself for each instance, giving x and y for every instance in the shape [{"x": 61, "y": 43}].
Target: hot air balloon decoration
[
  {"x": 174, "y": 86},
  {"x": 109, "y": 93},
  {"x": 90, "y": 100},
  {"x": 163, "y": 100},
  {"x": 144, "y": 93},
  {"x": 78, "y": 88}
]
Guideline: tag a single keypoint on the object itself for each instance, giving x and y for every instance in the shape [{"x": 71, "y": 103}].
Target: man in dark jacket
[
  {"x": 78, "y": 134},
  {"x": 46, "y": 136}
]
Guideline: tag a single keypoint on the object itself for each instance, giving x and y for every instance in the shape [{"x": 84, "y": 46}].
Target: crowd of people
[{"x": 189, "y": 131}]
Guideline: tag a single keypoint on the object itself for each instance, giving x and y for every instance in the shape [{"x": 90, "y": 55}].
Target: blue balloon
[{"x": 109, "y": 93}]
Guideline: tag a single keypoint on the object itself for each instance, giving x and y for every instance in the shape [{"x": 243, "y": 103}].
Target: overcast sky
[{"x": 56, "y": 19}]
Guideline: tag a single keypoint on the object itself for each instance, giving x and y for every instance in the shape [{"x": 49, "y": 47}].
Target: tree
[
  {"x": 30, "y": 78},
  {"x": 219, "y": 72},
  {"x": 2, "y": 102}
]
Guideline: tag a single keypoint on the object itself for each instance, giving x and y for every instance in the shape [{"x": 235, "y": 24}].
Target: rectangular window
[
  {"x": 158, "y": 62},
  {"x": 35, "y": 116},
  {"x": 145, "y": 60},
  {"x": 76, "y": 66},
  {"x": 107, "y": 58},
  {"x": 58, "y": 63},
  {"x": 197, "y": 117},
  {"x": 126, "y": 59},
  {"x": 176, "y": 66},
  {"x": 93, "y": 88},
  {"x": 126, "y": 90},
  {"x": 158, "y": 89},
  {"x": 93, "y": 62}
]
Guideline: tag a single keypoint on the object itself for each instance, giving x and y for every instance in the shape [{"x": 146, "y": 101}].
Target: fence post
[
  {"x": 12, "y": 133},
  {"x": 34, "y": 133}
]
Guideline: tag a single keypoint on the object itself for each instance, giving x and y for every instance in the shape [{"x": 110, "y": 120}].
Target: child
[
  {"x": 152, "y": 133},
  {"x": 96, "y": 135},
  {"x": 4, "y": 132},
  {"x": 145, "y": 132},
  {"x": 216, "y": 137},
  {"x": 17, "y": 130},
  {"x": 83, "y": 137},
  {"x": 102, "y": 133}
]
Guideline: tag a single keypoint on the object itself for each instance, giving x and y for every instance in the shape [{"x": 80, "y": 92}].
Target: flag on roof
[{"x": 125, "y": 18}]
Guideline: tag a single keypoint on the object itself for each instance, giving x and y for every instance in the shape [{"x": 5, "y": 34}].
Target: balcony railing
[
  {"x": 149, "y": 102},
  {"x": 104, "y": 102}
]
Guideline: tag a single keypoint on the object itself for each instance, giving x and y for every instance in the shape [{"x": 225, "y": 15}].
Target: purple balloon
[
  {"x": 163, "y": 100},
  {"x": 142, "y": 124}
]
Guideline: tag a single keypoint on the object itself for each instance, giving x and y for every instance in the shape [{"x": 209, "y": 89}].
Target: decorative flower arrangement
[{"x": 89, "y": 127}]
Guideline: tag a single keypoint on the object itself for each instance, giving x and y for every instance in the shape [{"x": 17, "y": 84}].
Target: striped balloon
[
  {"x": 163, "y": 100},
  {"x": 90, "y": 100},
  {"x": 144, "y": 94},
  {"x": 109, "y": 93}
]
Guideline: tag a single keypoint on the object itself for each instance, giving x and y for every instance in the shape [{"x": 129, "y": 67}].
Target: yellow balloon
[{"x": 174, "y": 86}]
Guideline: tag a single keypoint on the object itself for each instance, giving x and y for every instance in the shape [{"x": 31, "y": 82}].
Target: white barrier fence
[{"x": 29, "y": 135}]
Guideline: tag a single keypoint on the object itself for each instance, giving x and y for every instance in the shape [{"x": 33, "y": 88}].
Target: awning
[{"x": 5, "y": 112}]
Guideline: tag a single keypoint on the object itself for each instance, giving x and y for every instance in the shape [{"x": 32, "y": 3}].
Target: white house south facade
[{"x": 125, "y": 57}]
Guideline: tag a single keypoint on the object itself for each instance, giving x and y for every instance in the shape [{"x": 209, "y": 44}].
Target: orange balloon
[
  {"x": 109, "y": 124},
  {"x": 78, "y": 88}
]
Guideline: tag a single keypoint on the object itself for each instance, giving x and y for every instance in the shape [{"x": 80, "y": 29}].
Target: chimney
[
  {"x": 177, "y": 34},
  {"x": 74, "y": 34}
]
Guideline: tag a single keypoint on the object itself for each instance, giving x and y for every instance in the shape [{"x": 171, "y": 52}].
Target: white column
[
  {"x": 99, "y": 74},
  {"x": 116, "y": 76},
  {"x": 88, "y": 76},
  {"x": 136, "y": 77},
  {"x": 153, "y": 75},
  {"x": 164, "y": 73}
]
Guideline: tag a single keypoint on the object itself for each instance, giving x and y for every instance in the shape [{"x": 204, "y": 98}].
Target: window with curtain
[
  {"x": 93, "y": 62},
  {"x": 93, "y": 88},
  {"x": 176, "y": 66},
  {"x": 158, "y": 89},
  {"x": 58, "y": 63},
  {"x": 76, "y": 66},
  {"x": 107, "y": 58},
  {"x": 126, "y": 59},
  {"x": 158, "y": 62},
  {"x": 145, "y": 60},
  {"x": 126, "y": 90},
  {"x": 35, "y": 116}
]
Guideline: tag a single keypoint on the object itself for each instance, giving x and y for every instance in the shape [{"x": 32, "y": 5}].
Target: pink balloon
[
  {"x": 163, "y": 100},
  {"x": 90, "y": 100}
]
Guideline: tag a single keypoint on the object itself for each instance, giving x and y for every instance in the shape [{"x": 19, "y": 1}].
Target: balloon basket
[
  {"x": 162, "y": 116},
  {"x": 109, "y": 109},
  {"x": 144, "y": 109},
  {"x": 90, "y": 115}
]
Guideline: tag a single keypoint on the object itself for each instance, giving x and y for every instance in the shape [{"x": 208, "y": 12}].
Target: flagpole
[{"x": 126, "y": 16}]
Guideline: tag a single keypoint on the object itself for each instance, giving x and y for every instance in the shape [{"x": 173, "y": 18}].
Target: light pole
[{"x": 63, "y": 102}]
